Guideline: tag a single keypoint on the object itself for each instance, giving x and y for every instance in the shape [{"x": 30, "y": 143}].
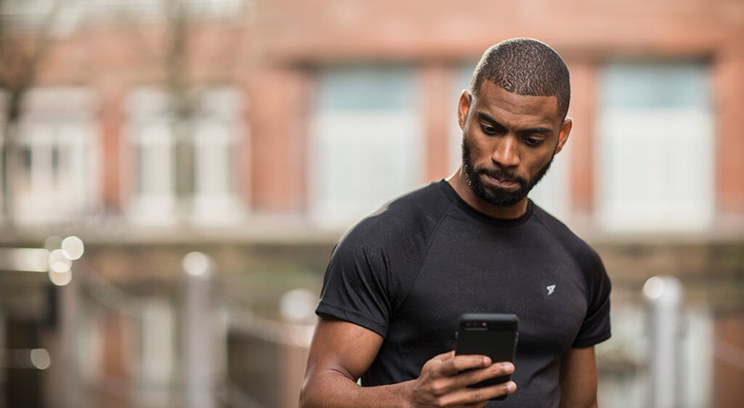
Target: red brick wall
[
  {"x": 729, "y": 81},
  {"x": 729, "y": 377},
  {"x": 271, "y": 56}
]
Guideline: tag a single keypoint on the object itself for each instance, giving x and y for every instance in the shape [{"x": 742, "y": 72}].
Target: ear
[
  {"x": 463, "y": 107},
  {"x": 563, "y": 135}
]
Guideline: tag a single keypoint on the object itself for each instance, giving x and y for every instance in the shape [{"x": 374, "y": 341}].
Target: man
[{"x": 399, "y": 279}]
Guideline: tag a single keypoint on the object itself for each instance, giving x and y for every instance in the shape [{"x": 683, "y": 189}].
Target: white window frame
[
  {"x": 60, "y": 117},
  {"x": 218, "y": 131},
  {"x": 151, "y": 127}
]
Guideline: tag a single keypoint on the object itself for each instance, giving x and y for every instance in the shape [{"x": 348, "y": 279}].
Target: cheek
[
  {"x": 478, "y": 141},
  {"x": 479, "y": 150},
  {"x": 536, "y": 161}
]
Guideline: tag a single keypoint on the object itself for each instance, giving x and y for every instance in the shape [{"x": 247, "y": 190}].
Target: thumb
[{"x": 445, "y": 356}]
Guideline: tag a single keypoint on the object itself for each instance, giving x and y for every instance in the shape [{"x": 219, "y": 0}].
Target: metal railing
[{"x": 208, "y": 318}]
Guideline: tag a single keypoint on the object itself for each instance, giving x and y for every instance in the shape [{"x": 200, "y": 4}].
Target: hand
[{"x": 444, "y": 380}]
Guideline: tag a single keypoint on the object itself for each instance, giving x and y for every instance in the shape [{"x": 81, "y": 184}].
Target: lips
[{"x": 505, "y": 184}]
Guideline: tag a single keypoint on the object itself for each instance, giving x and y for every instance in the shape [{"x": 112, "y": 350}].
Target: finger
[
  {"x": 476, "y": 396},
  {"x": 476, "y": 405},
  {"x": 456, "y": 364},
  {"x": 475, "y": 376},
  {"x": 480, "y": 404},
  {"x": 480, "y": 395},
  {"x": 464, "y": 379}
]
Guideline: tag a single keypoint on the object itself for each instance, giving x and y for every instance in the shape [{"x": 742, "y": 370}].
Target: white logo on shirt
[{"x": 550, "y": 288}]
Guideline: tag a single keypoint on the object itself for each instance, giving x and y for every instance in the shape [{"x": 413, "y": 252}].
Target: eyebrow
[{"x": 488, "y": 118}]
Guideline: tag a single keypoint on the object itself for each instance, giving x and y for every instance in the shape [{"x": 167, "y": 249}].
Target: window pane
[
  {"x": 366, "y": 88},
  {"x": 654, "y": 122},
  {"x": 367, "y": 141},
  {"x": 655, "y": 85},
  {"x": 216, "y": 137},
  {"x": 150, "y": 135}
]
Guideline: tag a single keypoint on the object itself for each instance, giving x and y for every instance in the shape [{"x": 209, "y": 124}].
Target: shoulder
[
  {"x": 403, "y": 222},
  {"x": 385, "y": 250},
  {"x": 583, "y": 254}
]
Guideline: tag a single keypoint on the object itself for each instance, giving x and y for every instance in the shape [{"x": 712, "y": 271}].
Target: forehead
[{"x": 519, "y": 110}]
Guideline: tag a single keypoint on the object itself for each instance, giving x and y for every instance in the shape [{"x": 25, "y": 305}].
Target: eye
[
  {"x": 533, "y": 141},
  {"x": 488, "y": 129}
]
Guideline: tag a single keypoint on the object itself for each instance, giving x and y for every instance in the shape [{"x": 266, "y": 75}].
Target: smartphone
[{"x": 490, "y": 334}]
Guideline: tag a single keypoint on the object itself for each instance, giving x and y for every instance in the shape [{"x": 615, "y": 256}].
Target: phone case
[{"x": 492, "y": 334}]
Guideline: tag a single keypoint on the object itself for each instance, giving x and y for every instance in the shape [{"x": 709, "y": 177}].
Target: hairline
[{"x": 474, "y": 93}]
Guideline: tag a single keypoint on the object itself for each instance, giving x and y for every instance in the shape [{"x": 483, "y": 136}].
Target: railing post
[
  {"x": 197, "y": 334},
  {"x": 664, "y": 297}
]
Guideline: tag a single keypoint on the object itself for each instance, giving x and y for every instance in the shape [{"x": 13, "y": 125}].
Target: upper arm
[
  {"x": 579, "y": 378},
  {"x": 341, "y": 347}
]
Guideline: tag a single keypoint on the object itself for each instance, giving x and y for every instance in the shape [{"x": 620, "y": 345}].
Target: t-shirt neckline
[{"x": 468, "y": 209}]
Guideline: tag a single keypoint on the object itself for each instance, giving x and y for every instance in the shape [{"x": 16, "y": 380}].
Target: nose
[{"x": 506, "y": 152}]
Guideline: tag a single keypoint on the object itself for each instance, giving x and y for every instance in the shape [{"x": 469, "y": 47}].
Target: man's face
[{"x": 509, "y": 141}]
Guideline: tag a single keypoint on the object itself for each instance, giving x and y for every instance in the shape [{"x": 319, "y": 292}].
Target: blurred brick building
[{"x": 305, "y": 115}]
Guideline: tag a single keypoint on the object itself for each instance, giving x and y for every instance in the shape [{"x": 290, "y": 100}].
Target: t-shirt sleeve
[
  {"x": 356, "y": 285},
  {"x": 596, "y": 326}
]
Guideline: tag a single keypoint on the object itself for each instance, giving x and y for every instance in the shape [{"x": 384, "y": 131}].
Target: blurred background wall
[{"x": 256, "y": 132}]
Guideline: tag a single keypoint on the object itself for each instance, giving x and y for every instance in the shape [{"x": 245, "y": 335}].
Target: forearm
[
  {"x": 565, "y": 403},
  {"x": 335, "y": 390},
  {"x": 579, "y": 379}
]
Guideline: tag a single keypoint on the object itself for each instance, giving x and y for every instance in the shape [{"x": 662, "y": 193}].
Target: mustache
[{"x": 502, "y": 176}]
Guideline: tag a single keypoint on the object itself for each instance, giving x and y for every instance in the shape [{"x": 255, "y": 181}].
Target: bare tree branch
[{"x": 22, "y": 51}]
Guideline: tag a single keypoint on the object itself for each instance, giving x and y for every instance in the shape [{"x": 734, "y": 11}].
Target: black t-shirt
[{"x": 410, "y": 270}]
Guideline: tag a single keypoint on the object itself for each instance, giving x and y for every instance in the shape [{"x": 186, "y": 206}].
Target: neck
[{"x": 459, "y": 181}]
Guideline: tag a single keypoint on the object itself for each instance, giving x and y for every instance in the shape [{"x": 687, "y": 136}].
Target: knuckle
[
  {"x": 472, "y": 378},
  {"x": 475, "y": 377},
  {"x": 477, "y": 397},
  {"x": 457, "y": 364},
  {"x": 431, "y": 369},
  {"x": 438, "y": 388}
]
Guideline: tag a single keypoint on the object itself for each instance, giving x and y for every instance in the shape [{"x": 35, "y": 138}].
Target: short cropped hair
[{"x": 525, "y": 66}]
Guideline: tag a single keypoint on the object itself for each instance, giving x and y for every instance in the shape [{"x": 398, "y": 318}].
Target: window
[
  {"x": 655, "y": 128},
  {"x": 214, "y": 132},
  {"x": 366, "y": 146},
  {"x": 55, "y": 173},
  {"x": 552, "y": 193},
  {"x": 153, "y": 200},
  {"x": 216, "y": 136}
]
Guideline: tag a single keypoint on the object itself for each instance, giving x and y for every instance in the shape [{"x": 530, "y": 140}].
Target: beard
[{"x": 494, "y": 195}]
